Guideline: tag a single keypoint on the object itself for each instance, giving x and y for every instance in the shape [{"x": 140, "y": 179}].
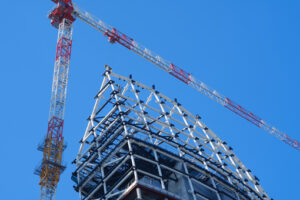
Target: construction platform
[{"x": 140, "y": 144}]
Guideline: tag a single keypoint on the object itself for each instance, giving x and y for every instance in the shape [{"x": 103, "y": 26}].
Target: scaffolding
[{"x": 140, "y": 144}]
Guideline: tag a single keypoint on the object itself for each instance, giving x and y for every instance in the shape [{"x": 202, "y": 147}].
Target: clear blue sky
[{"x": 247, "y": 50}]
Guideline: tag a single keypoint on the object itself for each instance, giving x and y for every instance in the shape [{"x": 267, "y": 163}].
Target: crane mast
[
  {"x": 115, "y": 36},
  {"x": 53, "y": 144}
]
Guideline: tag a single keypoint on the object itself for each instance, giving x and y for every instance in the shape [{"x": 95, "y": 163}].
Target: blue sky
[{"x": 246, "y": 50}]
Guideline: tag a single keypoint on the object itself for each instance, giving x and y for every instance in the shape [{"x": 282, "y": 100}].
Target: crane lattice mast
[{"x": 53, "y": 145}]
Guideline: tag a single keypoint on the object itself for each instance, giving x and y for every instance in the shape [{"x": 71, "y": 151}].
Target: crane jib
[
  {"x": 243, "y": 112},
  {"x": 291, "y": 141},
  {"x": 116, "y": 36},
  {"x": 180, "y": 73}
]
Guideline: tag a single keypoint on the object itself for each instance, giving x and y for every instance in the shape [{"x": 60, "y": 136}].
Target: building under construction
[{"x": 140, "y": 144}]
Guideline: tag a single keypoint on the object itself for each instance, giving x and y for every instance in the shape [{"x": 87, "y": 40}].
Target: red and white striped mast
[{"x": 53, "y": 145}]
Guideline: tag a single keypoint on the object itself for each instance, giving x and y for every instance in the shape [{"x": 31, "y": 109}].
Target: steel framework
[{"x": 140, "y": 144}]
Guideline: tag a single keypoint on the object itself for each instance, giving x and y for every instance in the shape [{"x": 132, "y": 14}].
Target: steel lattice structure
[
  {"x": 140, "y": 144},
  {"x": 53, "y": 145}
]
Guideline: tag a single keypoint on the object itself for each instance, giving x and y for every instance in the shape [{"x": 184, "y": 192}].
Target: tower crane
[{"x": 62, "y": 18}]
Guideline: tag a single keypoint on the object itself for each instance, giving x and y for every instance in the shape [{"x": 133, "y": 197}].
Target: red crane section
[
  {"x": 116, "y": 36},
  {"x": 63, "y": 10},
  {"x": 236, "y": 108}
]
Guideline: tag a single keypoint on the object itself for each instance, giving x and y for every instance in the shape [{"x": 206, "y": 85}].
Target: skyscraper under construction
[{"x": 140, "y": 144}]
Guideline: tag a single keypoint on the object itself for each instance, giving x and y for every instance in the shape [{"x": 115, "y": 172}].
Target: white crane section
[{"x": 116, "y": 36}]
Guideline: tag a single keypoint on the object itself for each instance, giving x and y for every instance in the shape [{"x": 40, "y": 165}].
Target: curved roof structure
[{"x": 139, "y": 138}]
